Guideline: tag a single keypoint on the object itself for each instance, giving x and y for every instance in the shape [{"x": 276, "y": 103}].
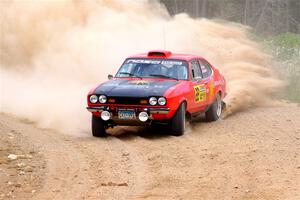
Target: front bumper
[
  {"x": 149, "y": 110},
  {"x": 156, "y": 115},
  {"x": 95, "y": 109}
]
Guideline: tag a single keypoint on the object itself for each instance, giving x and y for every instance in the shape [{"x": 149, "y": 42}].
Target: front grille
[{"x": 127, "y": 100}]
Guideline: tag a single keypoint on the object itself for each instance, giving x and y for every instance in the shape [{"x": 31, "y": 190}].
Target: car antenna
[{"x": 164, "y": 36}]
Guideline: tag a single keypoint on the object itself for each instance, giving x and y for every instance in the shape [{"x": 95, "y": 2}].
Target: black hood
[{"x": 134, "y": 88}]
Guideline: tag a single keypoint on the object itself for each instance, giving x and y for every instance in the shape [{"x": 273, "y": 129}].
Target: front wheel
[
  {"x": 214, "y": 112},
  {"x": 178, "y": 121},
  {"x": 98, "y": 127}
]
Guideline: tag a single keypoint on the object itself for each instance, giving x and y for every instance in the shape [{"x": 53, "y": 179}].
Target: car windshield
[{"x": 154, "y": 68}]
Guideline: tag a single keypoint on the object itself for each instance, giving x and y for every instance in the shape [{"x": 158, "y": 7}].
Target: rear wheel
[
  {"x": 178, "y": 121},
  {"x": 214, "y": 112},
  {"x": 98, "y": 127}
]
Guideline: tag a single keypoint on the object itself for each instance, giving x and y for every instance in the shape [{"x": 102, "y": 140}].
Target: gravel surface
[{"x": 249, "y": 155}]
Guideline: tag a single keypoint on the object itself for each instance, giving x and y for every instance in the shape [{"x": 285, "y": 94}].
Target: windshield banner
[{"x": 155, "y": 62}]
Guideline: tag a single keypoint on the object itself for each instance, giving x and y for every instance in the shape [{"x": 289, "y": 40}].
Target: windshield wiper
[
  {"x": 130, "y": 74},
  {"x": 163, "y": 76}
]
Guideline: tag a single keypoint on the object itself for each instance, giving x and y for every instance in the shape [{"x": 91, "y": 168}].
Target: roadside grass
[{"x": 285, "y": 48}]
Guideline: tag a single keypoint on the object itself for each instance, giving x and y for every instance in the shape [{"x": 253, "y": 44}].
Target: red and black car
[{"x": 158, "y": 87}]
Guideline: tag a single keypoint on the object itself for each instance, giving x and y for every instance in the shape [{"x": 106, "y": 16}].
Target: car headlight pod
[
  {"x": 93, "y": 98},
  {"x": 143, "y": 116},
  {"x": 162, "y": 101},
  {"x": 102, "y": 98},
  {"x": 105, "y": 115},
  {"x": 153, "y": 101}
]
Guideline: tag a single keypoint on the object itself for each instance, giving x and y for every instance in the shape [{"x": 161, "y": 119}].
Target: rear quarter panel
[{"x": 219, "y": 83}]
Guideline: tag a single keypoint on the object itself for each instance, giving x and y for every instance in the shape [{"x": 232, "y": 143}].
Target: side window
[
  {"x": 195, "y": 68},
  {"x": 205, "y": 68}
]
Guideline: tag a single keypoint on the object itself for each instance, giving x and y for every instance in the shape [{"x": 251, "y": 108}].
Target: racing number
[
  {"x": 197, "y": 93},
  {"x": 200, "y": 93}
]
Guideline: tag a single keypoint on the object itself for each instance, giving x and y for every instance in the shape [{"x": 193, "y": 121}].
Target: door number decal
[{"x": 200, "y": 93}]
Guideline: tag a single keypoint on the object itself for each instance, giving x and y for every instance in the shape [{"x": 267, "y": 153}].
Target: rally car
[{"x": 158, "y": 87}]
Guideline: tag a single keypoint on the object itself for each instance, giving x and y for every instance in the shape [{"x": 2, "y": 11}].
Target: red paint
[{"x": 182, "y": 92}]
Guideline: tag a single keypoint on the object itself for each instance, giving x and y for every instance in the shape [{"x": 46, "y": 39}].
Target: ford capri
[{"x": 157, "y": 87}]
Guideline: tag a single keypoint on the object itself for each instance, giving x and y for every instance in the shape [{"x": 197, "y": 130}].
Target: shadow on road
[
  {"x": 153, "y": 132},
  {"x": 128, "y": 133}
]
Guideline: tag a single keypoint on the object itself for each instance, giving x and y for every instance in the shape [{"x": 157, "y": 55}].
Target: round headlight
[
  {"x": 153, "y": 101},
  {"x": 162, "y": 101},
  {"x": 105, "y": 115},
  {"x": 93, "y": 98},
  {"x": 143, "y": 116},
  {"x": 102, "y": 99}
]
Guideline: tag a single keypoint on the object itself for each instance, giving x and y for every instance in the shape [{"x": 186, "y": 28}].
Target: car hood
[{"x": 135, "y": 88}]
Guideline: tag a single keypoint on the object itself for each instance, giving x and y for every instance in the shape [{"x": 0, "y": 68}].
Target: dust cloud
[{"x": 53, "y": 52}]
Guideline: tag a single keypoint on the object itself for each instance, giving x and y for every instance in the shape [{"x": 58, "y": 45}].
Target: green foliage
[
  {"x": 287, "y": 40},
  {"x": 285, "y": 48}
]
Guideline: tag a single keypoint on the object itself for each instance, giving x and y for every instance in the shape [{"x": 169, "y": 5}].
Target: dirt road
[{"x": 250, "y": 155}]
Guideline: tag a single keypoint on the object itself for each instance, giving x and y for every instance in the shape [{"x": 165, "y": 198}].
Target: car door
[
  {"x": 198, "y": 99},
  {"x": 207, "y": 80}
]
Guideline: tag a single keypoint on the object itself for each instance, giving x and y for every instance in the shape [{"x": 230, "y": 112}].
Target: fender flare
[{"x": 181, "y": 100}]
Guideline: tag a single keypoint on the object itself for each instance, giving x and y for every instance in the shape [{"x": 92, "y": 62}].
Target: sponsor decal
[
  {"x": 219, "y": 82},
  {"x": 200, "y": 93},
  {"x": 139, "y": 82},
  {"x": 154, "y": 62},
  {"x": 211, "y": 89}
]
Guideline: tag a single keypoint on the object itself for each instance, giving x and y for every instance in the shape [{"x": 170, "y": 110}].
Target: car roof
[{"x": 166, "y": 54}]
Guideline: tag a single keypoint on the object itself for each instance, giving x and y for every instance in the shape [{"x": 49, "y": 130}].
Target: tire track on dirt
[
  {"x": 250, "y": 155},
  {"x": 117, "y": 171}
]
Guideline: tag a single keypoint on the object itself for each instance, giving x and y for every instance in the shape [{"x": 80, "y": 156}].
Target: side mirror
[{"x": 110, "y": 76}]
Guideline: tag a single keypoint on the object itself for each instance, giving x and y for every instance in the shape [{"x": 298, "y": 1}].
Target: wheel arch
[
  {"x": 219, "y": 91},
  {"x": 187, "y": 113},
  {"x": 183, "y": 100}
]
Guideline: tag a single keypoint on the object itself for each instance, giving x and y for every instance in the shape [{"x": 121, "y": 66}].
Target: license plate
[{"x": 126, "y": 114}]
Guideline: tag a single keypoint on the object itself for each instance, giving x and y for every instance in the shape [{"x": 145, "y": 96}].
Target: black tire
[
  {"x": 214, "y": 112},
  {"x": 178, "y": 121},
  {"x": 98, "y": 127}
]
